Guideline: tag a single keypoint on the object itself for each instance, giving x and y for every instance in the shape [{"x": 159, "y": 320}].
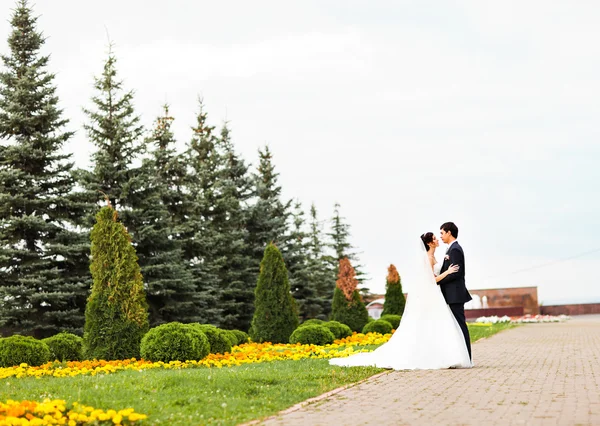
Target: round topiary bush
[
  {"x": 65, "y": 347},
  {"x": 232, "y": 337},
  {"x": 174, "y": 342},
  {"x": 313, "y": 321},
  {"x": 338, "y": 329},
  {"x": 17, "y": 349},
  {"x": 241, "y": 337},
  {"x": 392, "y": 319},
  {"x": 217, "y": 338},
  {"x": 312, "y": 334},
  {"x": 377, "y": 326}
]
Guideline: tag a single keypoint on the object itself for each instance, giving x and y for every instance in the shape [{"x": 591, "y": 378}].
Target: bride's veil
[{"x": 418, "y": 274}]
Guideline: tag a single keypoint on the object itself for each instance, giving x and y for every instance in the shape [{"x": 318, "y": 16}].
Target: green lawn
[
  {"x": 479, "y": 332},
  {"x": 226, "y": 396}
]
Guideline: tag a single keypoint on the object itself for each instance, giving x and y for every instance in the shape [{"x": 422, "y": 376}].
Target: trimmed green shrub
[
  {"x": 232, "y": 337},
  {"x": 338, "y": 329},
  {"x": 313, "y": 321},
  {"x": 347, "y": 306},
  {"x": 241, "y": 337},
  {"x": 15, "y": 350},
  {"x": 352, "y": 313},
  {"x": 275, "y": 314},
  {"x": 378, "y": 326},
  {"x": 116, "y": 314},
  {"x": 65, "y": 347},
  {"x": 392, "y": 319},
  {"x": 394, "y": 297},
  {"x": 312, "y": 334},
  {"x": 174, "y": 342},
  {"x": 218, "y": 339}
]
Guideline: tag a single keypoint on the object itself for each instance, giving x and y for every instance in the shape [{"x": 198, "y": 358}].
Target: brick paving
[{"x": 536, "y": 374}]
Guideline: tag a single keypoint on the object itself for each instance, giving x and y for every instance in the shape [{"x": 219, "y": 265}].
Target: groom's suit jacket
[{"x": 453, "y": 286}]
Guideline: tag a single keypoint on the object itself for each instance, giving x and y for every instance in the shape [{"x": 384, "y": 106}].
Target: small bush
[
  {"x": 65, "y": 347},
  {"x": 241, "y": 337},
  {"x": 232, "y": 337},
  {"x": 394, "y": 296},
  {"x": 392, "y": 319},
  {"x": 378, "y": 326},
  {"x": 352, "y": 313},
  {"x": 174, "y": 342},
  {"x": 17, "y": 349},
  {"x": 313, "y": 321},
  {"x": 217, "y": 338},
  {"x": 312, "y": 334},
  {"x": 338, "y": 329}
]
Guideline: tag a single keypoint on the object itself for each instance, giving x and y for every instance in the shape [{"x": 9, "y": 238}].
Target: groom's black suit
[{"x": 454, "y": 289}]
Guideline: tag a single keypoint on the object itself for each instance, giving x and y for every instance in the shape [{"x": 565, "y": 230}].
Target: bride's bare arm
[{"x": 451, "y": 270}]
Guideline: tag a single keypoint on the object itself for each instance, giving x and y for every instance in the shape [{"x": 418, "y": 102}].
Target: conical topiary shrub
[
  {"x": 394, "y": 298},
  {"x": 348, "y": 307},
  {"x": 116, "y": 315},
  {"x": 275, "y": 311}
]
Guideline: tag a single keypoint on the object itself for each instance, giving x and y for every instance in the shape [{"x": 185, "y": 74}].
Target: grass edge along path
[{"x": 226, "y": 396}]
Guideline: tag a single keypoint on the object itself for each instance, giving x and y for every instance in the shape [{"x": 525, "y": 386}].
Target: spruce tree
[
  {"x": 235, "y": 272},
  {"x": 116, "y": 315},
  {"x": 394, "y": 297},
  {"x": 322, "y": 274},
  {"x": 348, "y": 307},
  {"x": 302, "y": 277},
  {"x": 200, "y": 238},
  {"x": 115, "y": 130},
  {"x": 339, "y": 237},
  {"x": 268, "y": 216},
  {"x": 44, "y": 276},
  {"x": 171, "y": 292},
  {"x": 276, "y": 314}
]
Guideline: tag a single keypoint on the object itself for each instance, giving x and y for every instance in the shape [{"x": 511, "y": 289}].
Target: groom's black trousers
[{"x": 458, "y": 309}]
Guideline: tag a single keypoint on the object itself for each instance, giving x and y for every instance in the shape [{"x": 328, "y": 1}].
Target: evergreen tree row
[{"x": 199, "y": 220}]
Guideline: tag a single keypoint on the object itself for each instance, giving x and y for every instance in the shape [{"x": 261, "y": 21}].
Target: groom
[{"x": 453, "y": 286}]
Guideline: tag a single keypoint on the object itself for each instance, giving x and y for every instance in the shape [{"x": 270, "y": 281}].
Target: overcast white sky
[{"x": 407, "y": 113}]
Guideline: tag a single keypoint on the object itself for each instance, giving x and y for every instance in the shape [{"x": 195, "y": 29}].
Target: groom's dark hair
[{"x": 450, "y": 227}]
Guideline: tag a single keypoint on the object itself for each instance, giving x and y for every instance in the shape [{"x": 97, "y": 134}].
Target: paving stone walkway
[{"x": 536, "y": 374}]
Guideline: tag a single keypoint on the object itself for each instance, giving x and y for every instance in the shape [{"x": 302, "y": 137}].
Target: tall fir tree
[
  {"x": 116, "y": 315},
  {"x": 44, "y": 276},
  {"x": 235, "y": 272},
  {"x": 170, "y": 289},
  {"x": 200, "y": 238},
  {"x": 115, "y": 130},
  {"x": 340, "y": 245},
  {"x": 276, "y": 314},
  {"x": 322, "y": 273},
  {"x": 268, "y": 216},
  {"x": 302, "y": 277},
  {"x": 394, "y": 297}
]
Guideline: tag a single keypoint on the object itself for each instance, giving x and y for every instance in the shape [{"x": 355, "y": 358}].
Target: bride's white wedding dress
[{"x": 428, "y": 337}]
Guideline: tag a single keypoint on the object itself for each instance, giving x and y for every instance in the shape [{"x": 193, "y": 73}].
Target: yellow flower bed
[
  {"x": 55, "y": 413},
  {"x": 248, "y": 353}
]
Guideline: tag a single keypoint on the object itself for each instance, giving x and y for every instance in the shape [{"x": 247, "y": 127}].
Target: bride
[{"x": 428, "y": 336}]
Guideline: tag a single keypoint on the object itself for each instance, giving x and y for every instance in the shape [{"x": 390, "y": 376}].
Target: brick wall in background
[
  {"x": 576, "y": 309},
  {"x": 525, "y": 297}
]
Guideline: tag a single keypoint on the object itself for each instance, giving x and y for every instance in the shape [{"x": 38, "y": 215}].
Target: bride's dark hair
[{"x": 427, "y": 238}]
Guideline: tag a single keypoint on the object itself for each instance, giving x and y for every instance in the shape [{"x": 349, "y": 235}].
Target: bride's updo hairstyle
[{"x": 427, "y": 238}]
